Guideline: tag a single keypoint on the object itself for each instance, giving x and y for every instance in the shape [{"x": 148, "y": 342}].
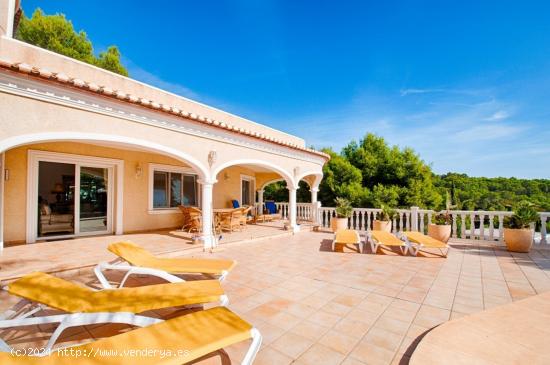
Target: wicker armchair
[
  {"x": 231, "y": 221},
  {"x": 245, "y": 218},
  {"x": 192, "y": 219}
]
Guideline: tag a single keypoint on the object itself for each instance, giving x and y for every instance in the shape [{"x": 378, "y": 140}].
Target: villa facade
[{"x": 84, "y": 151}]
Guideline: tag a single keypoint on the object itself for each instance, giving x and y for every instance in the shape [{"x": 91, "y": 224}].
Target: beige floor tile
[
  {"x": 320, "y": 355},
  {"x": 292, "y": 344},
  {"x": 383, "y": 338},
  {"x": 310, "y": 330},
  {"x": 270, "y": 356},
  {"x": 372, "y": 354},
  {"x": 338, "y": 341}
]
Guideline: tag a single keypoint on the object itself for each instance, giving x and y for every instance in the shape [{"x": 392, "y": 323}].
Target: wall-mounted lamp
[
  {"x": 225, "y": 176},
  {"x": 139, "y": 170},
  {"x": 296, "y": 171},
  {"x": 212, "y": 157}
]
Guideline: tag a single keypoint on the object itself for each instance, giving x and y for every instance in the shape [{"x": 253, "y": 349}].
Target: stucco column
[
  {"x": 314, "y": 205},
  {"x": 292, "y": 209},
  {"x": 207, "y": 234},
  {"x": 260, "y": 202},
  {"x": 2, "y": 178}
]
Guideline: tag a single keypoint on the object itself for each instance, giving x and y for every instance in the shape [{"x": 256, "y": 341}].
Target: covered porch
[{"x": 99, "y": 165}]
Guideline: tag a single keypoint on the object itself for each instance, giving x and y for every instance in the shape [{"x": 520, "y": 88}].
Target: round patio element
[
  {"x": 337, "y": 224},
  {"x": 381, "y": 226},
  {"x": 518, "y": 240},
  {"x": 440, "y": 232}
]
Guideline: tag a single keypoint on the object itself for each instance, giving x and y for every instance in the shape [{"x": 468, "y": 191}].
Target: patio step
[{"x": 515, "y": 333}]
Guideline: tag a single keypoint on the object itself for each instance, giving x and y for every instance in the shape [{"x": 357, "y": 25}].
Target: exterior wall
[
  {"x": 7, "y": 12},
  {"x": 28, "y": 117},
  {"x": 136, "y": 216},
  {"x": 228, "y": 186},
  {"x": 37, "y": 112}
]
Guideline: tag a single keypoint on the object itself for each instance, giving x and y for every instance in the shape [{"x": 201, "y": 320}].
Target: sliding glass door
[
  {"x": 73, "y": 199},
  {"x": 56, "y": 203},
  {"x": 93, "y": 199}
]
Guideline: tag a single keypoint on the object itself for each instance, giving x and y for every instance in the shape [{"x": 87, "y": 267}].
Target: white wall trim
[
  {"x": 115, "y": 165},
  {"x": 166, "y": 168}
]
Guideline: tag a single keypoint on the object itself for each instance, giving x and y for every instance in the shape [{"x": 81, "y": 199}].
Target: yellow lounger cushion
[
  {"x": 138, "y": 256},
  {"x": 386, "y": 238},
  {"x": 70, "y": 297},
  {"x": 426, "y": 241},
  {"x": 347, "y": 236},
  {"x": 198, "y": 333}
]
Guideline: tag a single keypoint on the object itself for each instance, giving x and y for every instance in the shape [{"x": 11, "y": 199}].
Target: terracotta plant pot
[
  {"x": 518, "y": 240},
  {"x": 381, "y": 226},
  {"x": 440, "y": 232},
  {"x": 337, "y": 224}
]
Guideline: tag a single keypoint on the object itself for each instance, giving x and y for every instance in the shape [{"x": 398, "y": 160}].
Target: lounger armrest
[{"x": 131, "y": 270}]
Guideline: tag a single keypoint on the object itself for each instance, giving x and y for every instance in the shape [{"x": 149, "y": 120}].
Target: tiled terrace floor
[{"x": 314, "y": 306}]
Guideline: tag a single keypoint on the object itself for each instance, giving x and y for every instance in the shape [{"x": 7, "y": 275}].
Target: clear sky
[{"x": 465, "y": 83}]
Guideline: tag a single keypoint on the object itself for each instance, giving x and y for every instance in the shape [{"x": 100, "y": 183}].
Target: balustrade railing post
[
  {"x": 543, "y": 219},
  {"x": 481, "y": 226},
  {"x": 421, "y": 228},
  {"x": 491, "y": 228},
  {"x": 472, "y": 226},
  {"x": 463, "y": 226},
  {"x": 454, "y": 224},
  {"x": 500, "y": 227},
  {"x": 414, "y": 219}
]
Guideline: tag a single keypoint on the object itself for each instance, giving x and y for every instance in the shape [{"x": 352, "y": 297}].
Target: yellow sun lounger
[
  {"x": 383, "y": 238},
  {"x": 41, "y": 291},
  {"x": 173, "y": 342},
  {"x": 142, "y": 262},
  {"x": 418, "y": 241},
  {"x": 347, "y": 237}
]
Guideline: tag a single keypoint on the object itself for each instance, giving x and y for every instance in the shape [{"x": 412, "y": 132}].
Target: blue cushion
[
  {"x": 271, "y": 207},
  {"x": 235, "y": 203}
]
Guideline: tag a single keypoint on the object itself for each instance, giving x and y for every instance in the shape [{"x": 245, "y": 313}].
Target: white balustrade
[{"x": 418, "y": 219}]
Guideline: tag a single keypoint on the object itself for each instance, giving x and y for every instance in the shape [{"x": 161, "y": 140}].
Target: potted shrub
[
  {"x": 440, "y": 228},
  {"x": 518, "y": 234},
  {"x": 385, "y": 217},
  {"x": 343, "y": 213}
]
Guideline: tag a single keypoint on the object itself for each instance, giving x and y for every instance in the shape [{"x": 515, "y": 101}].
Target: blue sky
[{"x": 465, "y": 83}]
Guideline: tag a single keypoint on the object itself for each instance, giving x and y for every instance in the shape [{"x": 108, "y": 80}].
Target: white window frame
[
  {"x": 173, "y": 169},
  {"x": 252, "y": 181},
  {"x": 116, "y": 199}
]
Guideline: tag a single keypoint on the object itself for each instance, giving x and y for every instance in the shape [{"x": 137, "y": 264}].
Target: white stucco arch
[
  {"x": 285, "y": 175},
  {"x": 318, "y": 177},
  {"x": 26, "y": 139},
  {"x": 269, "y": 183}
]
